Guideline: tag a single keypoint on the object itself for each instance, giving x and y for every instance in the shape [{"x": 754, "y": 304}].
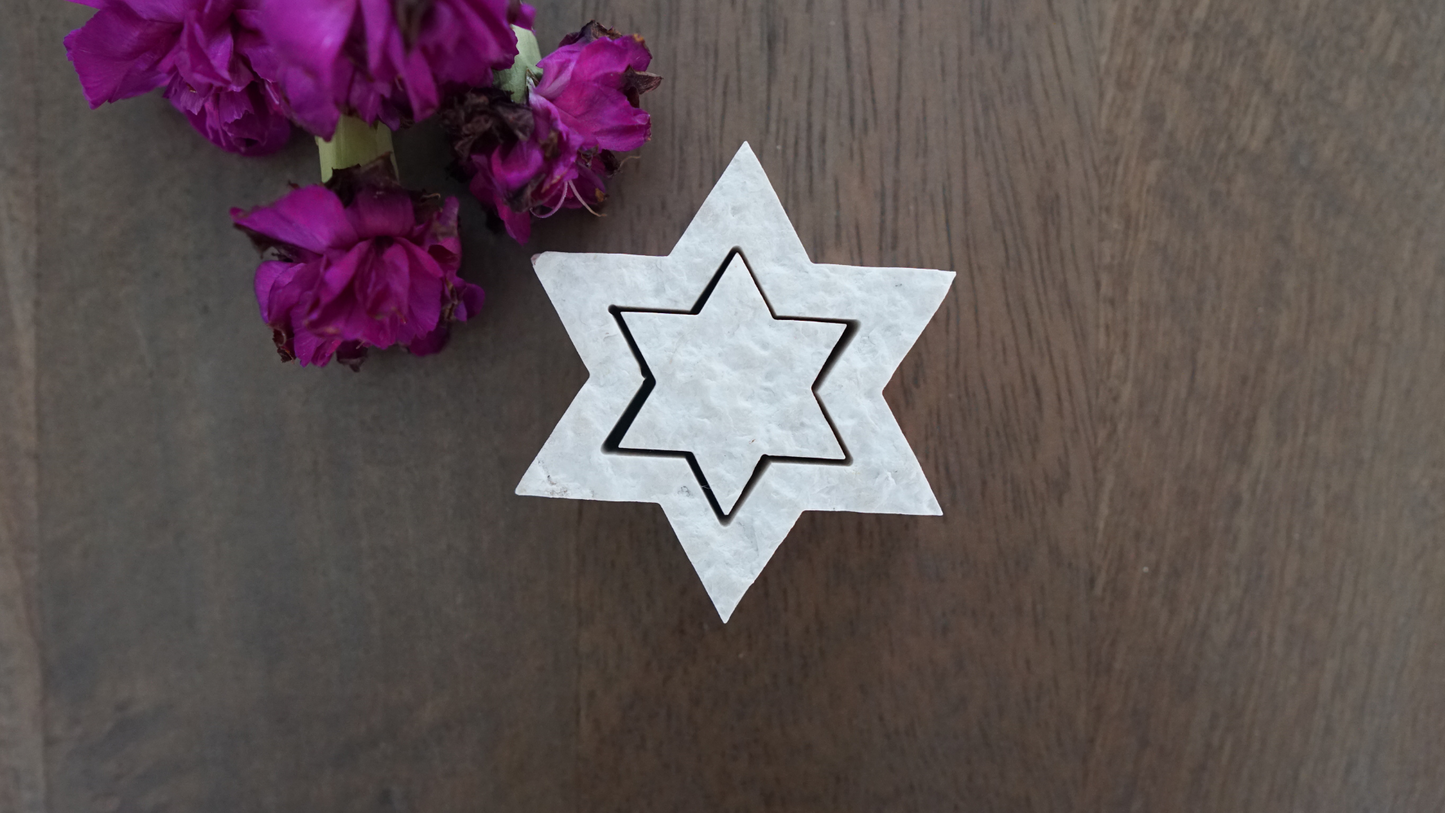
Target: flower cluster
[
  {"x": 556, "y": 147},
  {"x": 360, "y": 262}
]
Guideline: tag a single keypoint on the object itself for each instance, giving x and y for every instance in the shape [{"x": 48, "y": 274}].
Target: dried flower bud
[{"x": 557, "y": 148}]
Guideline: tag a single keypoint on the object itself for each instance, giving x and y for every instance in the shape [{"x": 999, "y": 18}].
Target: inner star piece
[
  {"x": 735, "y": 400},
  {"x": 733, "y": 384}
]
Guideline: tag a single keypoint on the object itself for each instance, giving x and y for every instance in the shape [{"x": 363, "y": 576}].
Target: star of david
[{"x": 735, "y": 383}]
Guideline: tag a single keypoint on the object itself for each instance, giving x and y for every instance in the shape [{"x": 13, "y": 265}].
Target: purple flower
[
  {"x": 206, "y": 53},
  {"x": 592, "y": 83},
  {"x": 359, "y": 263},
  {"x": 557, "y": 150},
  {"x": 386, "y": 60}
]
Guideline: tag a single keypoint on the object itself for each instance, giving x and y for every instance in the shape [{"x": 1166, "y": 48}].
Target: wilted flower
[
  {"x": 206, "y": 53},
  {"x": 593, "y": 82},
  {"x": 556, "y": 148},
  {"x": 386, "y": 60},
  {"x": 359, "y": 263}
]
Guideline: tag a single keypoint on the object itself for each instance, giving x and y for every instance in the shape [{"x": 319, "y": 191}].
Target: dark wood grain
[
  {"x": 1271, "y": 547},
  {"x": 1182, "y": 410},
  {"x": 22, "y": 767}
]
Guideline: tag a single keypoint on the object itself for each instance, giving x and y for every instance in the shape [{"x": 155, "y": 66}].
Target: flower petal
[
  {"x": 337, "y": 310},
  {"x": 118, "y": 54},
  {"x": 469, "y": 300},
  {"x": 172, "y": 11},
  {"x": 442, "y": 240},
  {"x": 518, "y": 224},
  {"x": 432, "y": 342},
  {"x": 424, "y": 296},
  {"x": 521, "y": 14},
  {"x": 270, "y": 278},
  {"x": 309, "y": 34},
  {"x": 311, "y": 218},
  {"x": 379, "y": 24},
  {"x": 308, "y": 63},
  {"x": 205, "y": 56},
  {"x": 381, "y": 212},
  {"x": 313, "y": 349}
]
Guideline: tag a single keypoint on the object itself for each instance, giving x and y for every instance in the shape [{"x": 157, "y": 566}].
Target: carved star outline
[
  {"x": 613, "y": 444},
  {"x": 889, "y": 306}
]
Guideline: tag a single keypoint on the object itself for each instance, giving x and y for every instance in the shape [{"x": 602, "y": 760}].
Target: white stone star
[{"x": 742, "y": 374}]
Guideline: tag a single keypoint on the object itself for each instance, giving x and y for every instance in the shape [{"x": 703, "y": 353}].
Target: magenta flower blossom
[
  {"x": 206, "y": 54},
  {"x": 592, "y": 82},
  {"x": 359, "y": 263},
  {"x": 386, "y": 60},
  {"x": 558, "y": 149}
]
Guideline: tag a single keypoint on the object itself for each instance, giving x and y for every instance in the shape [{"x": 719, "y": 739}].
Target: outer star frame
[{"x": 890, "y": 306}]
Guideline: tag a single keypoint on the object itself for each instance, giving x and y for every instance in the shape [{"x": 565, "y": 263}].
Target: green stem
[
  {"x": 355, "y": 143},
  {"x": 514, "y": 79}
]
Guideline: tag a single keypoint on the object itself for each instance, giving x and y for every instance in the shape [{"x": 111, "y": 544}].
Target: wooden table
[{"x": 1183, "y": 410}]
